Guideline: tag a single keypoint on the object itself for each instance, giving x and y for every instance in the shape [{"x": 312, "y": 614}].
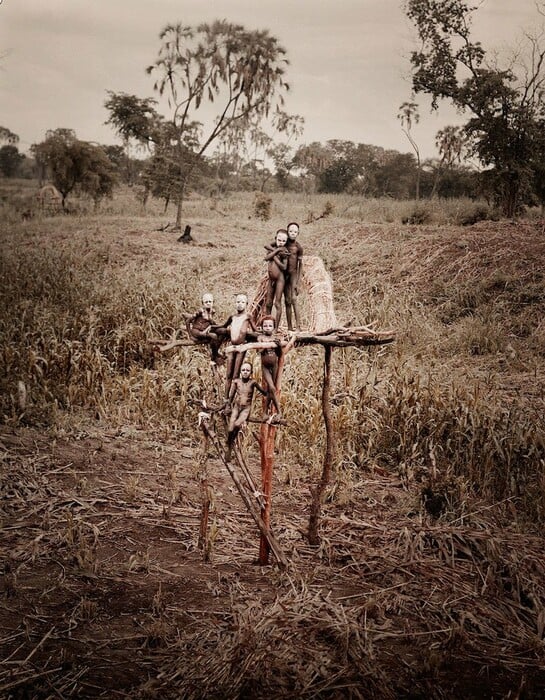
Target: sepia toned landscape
[
  {"x": 373, "y": 527},
  {"x": 428, "y": 579}
]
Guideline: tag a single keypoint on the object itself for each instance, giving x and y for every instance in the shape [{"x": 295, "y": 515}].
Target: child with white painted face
[
  {"x": 277, "y": 257},
  {"x": 239, "y": 325},
  {"x": 269, "y": 362},
  {"x": 200, "y": 327},
  {"x": 293, "y": 275},
  {"x": 239, "y": 401}
]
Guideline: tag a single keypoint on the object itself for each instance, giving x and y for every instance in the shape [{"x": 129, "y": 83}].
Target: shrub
[
  {"x": 419, "y": 215},
  {"x": 478, "y": 212},
  {"x": 262, "y": 206}
]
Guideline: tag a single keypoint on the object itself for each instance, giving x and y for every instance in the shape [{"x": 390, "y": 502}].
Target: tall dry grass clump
[{"x": 75, "y": 333}]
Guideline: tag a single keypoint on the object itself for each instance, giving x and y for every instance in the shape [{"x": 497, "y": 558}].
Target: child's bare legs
[
  {"x": 271, "y": 398},
  {"x": 234, "y": 363},
  {"x": 278, "y": 291},
  {"x": 237, "y": 419},
  {"x": 291, "y": 304}
]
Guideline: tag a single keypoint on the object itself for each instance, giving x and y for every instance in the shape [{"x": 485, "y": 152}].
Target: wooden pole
[
  {"x": 206, "y": 500},
  {"x": 266, "y": 451},
  {"x": 330, "y": 450}
]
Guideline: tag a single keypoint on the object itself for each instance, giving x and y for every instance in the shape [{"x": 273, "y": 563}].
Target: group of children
[{"x": 284, "y": 258}]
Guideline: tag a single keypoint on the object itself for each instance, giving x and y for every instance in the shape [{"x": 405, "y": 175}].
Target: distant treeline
[{"x": 333, "y": 167}]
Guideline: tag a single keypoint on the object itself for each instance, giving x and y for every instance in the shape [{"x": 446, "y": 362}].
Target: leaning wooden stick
[
  {"x": 164, "y": 345},
  {"x": 250, "y": 505}
]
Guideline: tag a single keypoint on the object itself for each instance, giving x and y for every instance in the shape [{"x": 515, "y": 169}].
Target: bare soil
[{"x": 105, "y": 591}]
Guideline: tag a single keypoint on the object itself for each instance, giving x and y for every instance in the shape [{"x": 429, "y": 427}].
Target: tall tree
[
  {"x": 239, "y": 71},
  {"x": 136, "y": 121},
  {"x": 10, "y": 160},
  {"x": 506, "y": 104},
  {"x": 409, "y": 115},
  {"x": 451, "y": 142}
]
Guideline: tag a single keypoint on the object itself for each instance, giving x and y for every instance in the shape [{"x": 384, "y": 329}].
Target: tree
[
  {"x": 240, "y": 71},
  {"x": 249, "y": 146},
  {"x": 72, "y": 164},
  {"x": 451, "y": 143},
  {"x": 506, "y": 104},
  {"x": 340, "y": 165},
  {"x": 337, "y": 176},
  {"x": 395, "y": 175},
  {"x": 408, "y": 115},
  {"x": 7, "y": 136},
  {"x": 134, "y": 119},
  {"x": 10, "y": 160}
]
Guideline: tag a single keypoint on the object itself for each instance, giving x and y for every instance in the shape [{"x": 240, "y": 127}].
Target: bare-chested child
[
  {"x": 277, "y": 257},
  {"x": 239, "y": 325},
  {"x": 293, "y": 275},
  {"x": 200, "y": 327},
  {"x": 269, "y": 363},
  {"x": 239, "y": 401}
]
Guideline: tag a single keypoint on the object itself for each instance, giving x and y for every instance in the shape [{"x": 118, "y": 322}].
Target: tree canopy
[
  {"x": 239, "y": 71},
  {"x": 506, "y": 104},
  {"x": 10, "y": 160},
  {"x": 7, "y": 136},
  {"x": 72, "y": 164}
]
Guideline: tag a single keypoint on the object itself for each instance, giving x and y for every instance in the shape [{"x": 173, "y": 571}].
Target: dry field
[{"x": 429, "y": 581}]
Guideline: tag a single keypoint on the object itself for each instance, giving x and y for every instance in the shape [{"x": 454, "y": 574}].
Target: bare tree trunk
[
  {"x": 319, "y": 490},
  {"x": 179, "y": 205}
]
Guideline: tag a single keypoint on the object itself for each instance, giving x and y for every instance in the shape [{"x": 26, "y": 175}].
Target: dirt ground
[{"x": 106, "y": 594}]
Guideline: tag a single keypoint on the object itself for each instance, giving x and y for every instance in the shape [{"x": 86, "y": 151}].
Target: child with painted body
[
  {"x": 239, "y": 402},
  {"x": 239, "y": 325},
  {"x": 277, "y": 258},
  {"x": 293, "y": 275},
  {"x": 269, "y": 363},
  {"x": 200, "y": 327}
]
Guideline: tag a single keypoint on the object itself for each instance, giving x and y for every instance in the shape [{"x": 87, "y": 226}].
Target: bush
[
  {"x": 419, "y": 215},
  {"x": 479, "y": 212},
  {"x": 262, "y": 206}
]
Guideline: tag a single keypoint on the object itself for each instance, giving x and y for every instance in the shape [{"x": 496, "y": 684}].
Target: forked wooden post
[
  {"x": 266, "y": 451},
  {"x": 318, "y": 491}
]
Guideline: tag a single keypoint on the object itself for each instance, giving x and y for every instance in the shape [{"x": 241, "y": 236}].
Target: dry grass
[{"x": 429, "y": 578}]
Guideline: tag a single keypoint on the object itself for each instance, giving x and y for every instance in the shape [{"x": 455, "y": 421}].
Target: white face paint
[
  {"x": 268, "y": 326},
  {"x": 281, "y": 239},
  {"x": 245, "y": 371},
  {"x": 207, "y": 301},
  {"x": 241, "y": 302},
  {"x": 293, "y": 231}
]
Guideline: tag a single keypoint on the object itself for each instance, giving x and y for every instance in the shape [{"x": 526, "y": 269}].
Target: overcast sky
[{"x": 349, "y": 60}]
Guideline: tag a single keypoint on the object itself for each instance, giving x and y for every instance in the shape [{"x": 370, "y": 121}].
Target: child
[
  {"x": 239, "y": 324},
  {"x": 240, "y": 398},
  {"x": 293, "y": 274},
  {"x": 269, "y": 363},
  {"x": 200, "y": 327},
  {"x": 277, "y": 258}
]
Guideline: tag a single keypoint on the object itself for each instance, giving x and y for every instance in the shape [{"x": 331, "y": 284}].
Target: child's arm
[
  {"x": 299, "y": 267},
  {"x": 260, "y": 388},
  {"x": 281, "y": 260}
]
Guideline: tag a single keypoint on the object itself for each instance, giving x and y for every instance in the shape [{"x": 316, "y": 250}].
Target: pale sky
[{"x": 349, "y": 61}]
